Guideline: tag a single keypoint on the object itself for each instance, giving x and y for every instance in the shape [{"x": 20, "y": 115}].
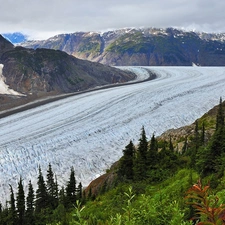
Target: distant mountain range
[
  {"x": 141, "y": 47},
  {"x": 15, "y": 38}
]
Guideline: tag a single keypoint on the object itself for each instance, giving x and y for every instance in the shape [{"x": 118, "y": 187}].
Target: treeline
[
  {"x": 156, "y": 160},
  {"x": 46, "y": 205},
  {"x": 152, "y": 161}
]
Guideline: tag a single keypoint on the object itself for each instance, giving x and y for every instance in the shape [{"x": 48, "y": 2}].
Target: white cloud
[{"x": 46, "y": 18}]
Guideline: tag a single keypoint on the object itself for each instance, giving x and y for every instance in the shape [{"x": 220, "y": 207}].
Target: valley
[{"x": 89, "y": 131}]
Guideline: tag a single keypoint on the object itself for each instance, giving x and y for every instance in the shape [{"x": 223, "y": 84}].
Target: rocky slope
[
  {"x": 45, "y": 71},
  {"x": 141, "y": 47}
]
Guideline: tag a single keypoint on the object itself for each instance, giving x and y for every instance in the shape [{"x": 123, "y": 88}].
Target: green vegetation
[
  {"x": 89, "y": 45},
  {"x": 131, "y": 43},
  {"x": 155, "y": 184}
]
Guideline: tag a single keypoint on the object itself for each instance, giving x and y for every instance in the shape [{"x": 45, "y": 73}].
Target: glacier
[{"x": 90, "y": 130}]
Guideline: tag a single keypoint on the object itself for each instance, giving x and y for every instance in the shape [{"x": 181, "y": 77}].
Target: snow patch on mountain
[{"x": 4, "y": 89}]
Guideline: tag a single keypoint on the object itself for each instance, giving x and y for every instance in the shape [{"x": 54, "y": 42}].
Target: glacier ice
[{"x": 90, "y": 130}]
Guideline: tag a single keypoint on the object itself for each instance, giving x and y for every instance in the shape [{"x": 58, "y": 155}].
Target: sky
[{"x": 41, "y": 19}]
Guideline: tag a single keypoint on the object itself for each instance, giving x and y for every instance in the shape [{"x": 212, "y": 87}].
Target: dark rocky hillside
[
  {"x": 44, "y": 72},
  {"x": 5, "y": 45},
  {"x": 141, "y": 47}
]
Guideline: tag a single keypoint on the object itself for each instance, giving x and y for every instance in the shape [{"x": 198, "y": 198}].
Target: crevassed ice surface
[{"x": 89, "y": 131}]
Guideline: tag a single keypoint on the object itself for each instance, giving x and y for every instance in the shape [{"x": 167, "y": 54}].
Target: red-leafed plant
[{"x": 206, "y": 206}]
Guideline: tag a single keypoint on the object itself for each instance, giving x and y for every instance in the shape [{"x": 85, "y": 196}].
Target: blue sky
[{"x": 42, "y": 19}]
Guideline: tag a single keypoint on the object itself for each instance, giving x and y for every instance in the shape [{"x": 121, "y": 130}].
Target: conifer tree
[
  {"x": 143, "y": 144},
  {"x": 41, "y": 194},
  {"x": 12, "y": 208},
  {"x": 220, "y": 116},
  {"x": 20, "y": 203},
  {"x": 71, "y": 189},
  {"x": 29, "y": 214},
  {"x": 5, "y": 216},
  {"x": 152, "y": 154},
  {"x": 79, "y": 192},
  {"x": 52, "y": 188},
  {"x": 140, "y": 162},
  {"x": 62, "y": 196},
  {"x": 127, "y": 162}
]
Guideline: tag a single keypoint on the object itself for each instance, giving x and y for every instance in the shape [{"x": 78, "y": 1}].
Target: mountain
[
  {"x": 141, "y": 47},
  {"x": 15, "y": 38},
  {"x": 43, "y": 72},
  {"x": 5, "y": 45},
  {"x": 46, "y": 71}
]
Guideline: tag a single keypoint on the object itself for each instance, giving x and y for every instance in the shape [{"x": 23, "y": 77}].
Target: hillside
[
  {"x": 141, "y": 47},
  {"x": 43, "y": 72}
]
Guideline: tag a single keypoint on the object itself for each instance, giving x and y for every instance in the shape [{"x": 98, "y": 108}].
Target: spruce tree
[
  {"x": 143, "y": 144},
  {"x": 79, "y": 192},
  {"x": 12, "y": 208},
  {"x": 126, "y": 163},
  {"x": 20, "y": 203},
  {"x": 41, "y": 194},
  {"x": 62, "y": 196},
  {"x": 71, "y": 189},
  {"x": 140, "y": 162},
  {"x": 29, "y": 214},
  {"x": 152, "y": 154},
  {"x": 220, "y": 116},
  {"x": 52, "y": 188}
]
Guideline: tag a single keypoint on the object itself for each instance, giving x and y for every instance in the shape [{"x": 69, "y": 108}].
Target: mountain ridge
[{"x": 141, "y": 47}]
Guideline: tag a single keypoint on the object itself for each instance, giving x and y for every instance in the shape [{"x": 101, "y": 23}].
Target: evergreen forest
[{"x": 154, "y": 183}]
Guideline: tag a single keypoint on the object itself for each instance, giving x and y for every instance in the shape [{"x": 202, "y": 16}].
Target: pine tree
[
  {"x": 52, "y": 188},
  {"x": 143, "y": 145},
  {"x": 29, "y": 214},
  {"x": 140, "y": 162},
  {"x": 79, "y": 192},
  {"x": 71, "y": 189},
  {"x": 41, "y": 194},
  {"x": 62, "y": 196},
  {"x": 20, "y": 203},
  {"x": 220, "y": 116},
  {"x": 12, "y": 208},
  {"x": 127, "y": 162},
  {"x": 152, "y": 154}
]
